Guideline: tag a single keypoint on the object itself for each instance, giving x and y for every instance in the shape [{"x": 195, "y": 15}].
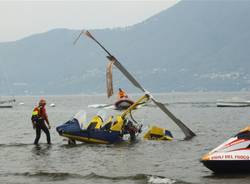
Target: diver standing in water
[{"x": 38, "y": 118}]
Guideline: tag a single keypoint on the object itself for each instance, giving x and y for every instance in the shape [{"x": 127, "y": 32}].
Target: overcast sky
[{"x": 22, "y": 18}]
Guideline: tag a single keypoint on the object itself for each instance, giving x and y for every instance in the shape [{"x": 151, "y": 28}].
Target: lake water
[{"x": 143, "y": 162}]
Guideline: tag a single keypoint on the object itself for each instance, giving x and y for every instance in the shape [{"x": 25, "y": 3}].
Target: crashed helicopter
[{"x": 95, "y": 131}]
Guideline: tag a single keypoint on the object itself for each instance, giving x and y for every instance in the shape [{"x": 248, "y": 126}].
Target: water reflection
[{"x": 41, "y": 150}]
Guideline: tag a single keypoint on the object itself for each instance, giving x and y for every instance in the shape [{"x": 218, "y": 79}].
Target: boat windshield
[
  {"x": 81, "y": 116},
  {"x": 84, "y": 117},
  {"x": 244, "y": 135}
]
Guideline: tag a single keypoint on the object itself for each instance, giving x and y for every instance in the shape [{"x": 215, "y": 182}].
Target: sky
[{"x": 21, "y": 18}]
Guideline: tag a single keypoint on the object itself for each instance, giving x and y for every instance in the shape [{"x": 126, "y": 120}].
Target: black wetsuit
[{"x": 40, "y": 125}]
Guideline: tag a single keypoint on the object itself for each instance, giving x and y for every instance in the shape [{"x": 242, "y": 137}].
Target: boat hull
[
  {"x": 228, "y": 166},
  {"x": 223, "y": 103},
  {"x": 6, "y": 106}
]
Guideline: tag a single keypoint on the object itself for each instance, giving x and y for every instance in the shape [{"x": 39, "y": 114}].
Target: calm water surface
[{"x": 143, "y": 162}]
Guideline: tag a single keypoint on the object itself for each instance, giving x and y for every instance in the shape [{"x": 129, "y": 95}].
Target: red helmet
[{"x": 42, "y": 102}]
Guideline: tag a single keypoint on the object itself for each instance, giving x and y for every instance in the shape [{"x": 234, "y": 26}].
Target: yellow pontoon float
[{"x": 158, "y": 133}]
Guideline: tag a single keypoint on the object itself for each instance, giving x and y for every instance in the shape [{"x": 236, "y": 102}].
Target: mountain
[{"x": 192, "y": 46}]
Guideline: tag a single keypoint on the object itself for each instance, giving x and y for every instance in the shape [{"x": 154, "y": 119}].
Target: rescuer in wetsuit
[
  {"x": 122, "y": 94},
  {"x": 39, "y": 117}
]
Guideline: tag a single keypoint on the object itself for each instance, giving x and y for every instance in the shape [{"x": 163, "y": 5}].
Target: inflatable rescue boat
[
  {"x": 233, "y": 156},
  {"x": 123, "y": 103}
]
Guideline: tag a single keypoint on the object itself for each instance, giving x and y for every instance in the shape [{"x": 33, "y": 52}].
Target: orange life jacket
[
  {"x": 36, "y": 111},
  {"x": 122, "y": 94},
  {"x": 39, "y": 113}
]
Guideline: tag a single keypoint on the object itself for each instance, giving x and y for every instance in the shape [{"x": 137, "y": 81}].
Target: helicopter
[{"x": 121, "y": 121}]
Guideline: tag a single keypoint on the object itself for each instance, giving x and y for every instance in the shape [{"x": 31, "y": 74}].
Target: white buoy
[{"x": 52, "y": 105}]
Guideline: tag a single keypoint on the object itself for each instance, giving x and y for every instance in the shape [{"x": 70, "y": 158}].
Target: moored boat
[
  {"x": 232, "y": 103},
  {"x": 7, "y": 103}
]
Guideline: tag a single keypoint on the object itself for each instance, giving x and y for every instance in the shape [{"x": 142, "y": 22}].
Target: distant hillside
[{"x": 192, "y": 46}]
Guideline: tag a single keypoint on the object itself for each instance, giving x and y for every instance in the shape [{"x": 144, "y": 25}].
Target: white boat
[
  {"x": 232, "y": 103},
  {"x": 7, "y": 103}
]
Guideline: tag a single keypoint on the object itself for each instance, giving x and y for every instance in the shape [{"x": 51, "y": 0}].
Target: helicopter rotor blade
[
  {"x": 188, "y": 132},
  {"x": 78, "y": 37},
  {"x": 116, "y": 63}
]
